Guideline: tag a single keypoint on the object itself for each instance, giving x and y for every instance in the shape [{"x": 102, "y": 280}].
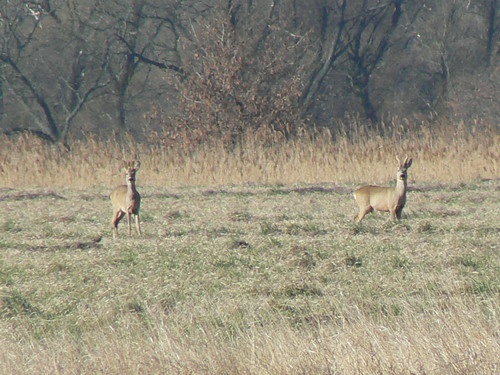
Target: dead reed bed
[{"x": 443, "y": 153}]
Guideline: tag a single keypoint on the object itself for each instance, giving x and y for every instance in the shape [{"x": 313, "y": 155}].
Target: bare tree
[
  {"x": 1, "y": 97},
  {"x": 53, "y": 68},
  {"x": 369, "y": 38},
  {"x": 492, "y": 47},
  {"x": 229, "y": 66},
  {"x": 331, "y": 48},
  {"x": 145, "y": 40},
  {"x": 354, "y": 39},
  {"x": 455, "y": 39},
  {"x": 238, "y": 79}
]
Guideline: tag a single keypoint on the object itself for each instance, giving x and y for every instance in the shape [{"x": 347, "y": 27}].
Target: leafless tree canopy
[{"x": 223, "y": 67}]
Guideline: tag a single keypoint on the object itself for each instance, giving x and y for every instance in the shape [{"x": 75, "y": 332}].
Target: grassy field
[
  {"x": 250, "y": 262},
  {"x": 251, "y": 280}
]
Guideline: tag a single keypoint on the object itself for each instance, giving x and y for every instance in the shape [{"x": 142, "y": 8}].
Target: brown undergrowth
[{"x": 443, "y": 153}]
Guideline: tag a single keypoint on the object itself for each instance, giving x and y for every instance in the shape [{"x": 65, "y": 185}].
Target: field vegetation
[{"x": 250, "y": 262}]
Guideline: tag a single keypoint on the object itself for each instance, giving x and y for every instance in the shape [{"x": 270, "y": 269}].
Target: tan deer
[
  {"x": 381, "y": 198},
  {"x": 126, "y": 200}
]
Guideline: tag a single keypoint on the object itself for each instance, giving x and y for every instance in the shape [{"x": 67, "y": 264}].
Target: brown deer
[
  {"x": 381, "y": 198},
  {"x": 126, "y": 200}
]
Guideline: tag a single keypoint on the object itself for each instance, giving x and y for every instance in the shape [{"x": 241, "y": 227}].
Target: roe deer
[
  {"x": 126, "y": 200},
  {"x": 382, "y": 198}
]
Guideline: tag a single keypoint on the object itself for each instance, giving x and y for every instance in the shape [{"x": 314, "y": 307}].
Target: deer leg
[
  {"x": 129, "y": 222},
  {"x": 138, "y": 224},
  {"x": 393, "y": 215},
  {"x": 118, "y": 215},
  {"x": 362, "y": 213}
]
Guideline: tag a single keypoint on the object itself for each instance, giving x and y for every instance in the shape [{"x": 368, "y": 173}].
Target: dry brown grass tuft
[
  {"x": 442, "y": 153},
  {"x": 441, "y": 343}
]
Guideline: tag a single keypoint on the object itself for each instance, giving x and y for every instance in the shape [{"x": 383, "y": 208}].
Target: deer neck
[
  {"x": 131, "y": 191},
  {"x": 401, "y": 187}
]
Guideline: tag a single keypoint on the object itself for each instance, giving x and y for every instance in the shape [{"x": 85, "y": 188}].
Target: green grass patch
[{"x": 223, "y": 279}]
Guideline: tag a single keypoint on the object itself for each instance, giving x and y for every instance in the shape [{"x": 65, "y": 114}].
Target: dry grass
[
  {"x": 446, "y": 153},
  {"x": 249, "y": 278}
]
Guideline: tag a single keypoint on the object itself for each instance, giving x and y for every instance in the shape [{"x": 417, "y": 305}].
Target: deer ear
[
  {"x": 137, "y": 164},
  {"x": 408, "y": 162}
]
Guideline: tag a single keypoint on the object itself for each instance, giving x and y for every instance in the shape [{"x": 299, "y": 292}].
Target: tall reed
[{"x": 354, "y": 153}]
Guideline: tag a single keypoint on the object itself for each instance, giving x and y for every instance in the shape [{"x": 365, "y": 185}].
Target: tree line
[{"x": 223, "y": 67}]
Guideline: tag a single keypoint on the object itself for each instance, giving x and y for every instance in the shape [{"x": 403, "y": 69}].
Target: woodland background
[{"x": 184, "y": 71}]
